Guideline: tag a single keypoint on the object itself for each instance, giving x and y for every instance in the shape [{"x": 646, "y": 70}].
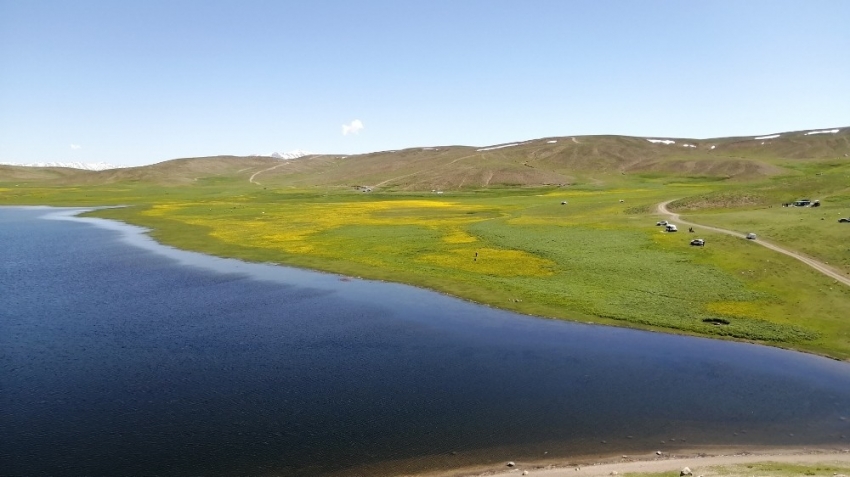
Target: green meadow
[{"x": 599, "y": 258}]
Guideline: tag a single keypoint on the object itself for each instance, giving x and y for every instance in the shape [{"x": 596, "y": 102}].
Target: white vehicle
[
  {"x": 751, "y": 236},
  {"x": 671, "y": 228},
  {"x": 662, "y": 222}
]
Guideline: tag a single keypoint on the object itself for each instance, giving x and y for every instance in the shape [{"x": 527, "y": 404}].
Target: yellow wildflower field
[{"x": 304, "y": 230}]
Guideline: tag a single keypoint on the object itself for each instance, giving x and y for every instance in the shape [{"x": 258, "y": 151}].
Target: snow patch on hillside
[
  {"x": 285, "y": 155},
  {"x": 291, "y": 154},
  {"x": 491, "y": 148},
  {"x": 551, "y": 142},
  {"x": 661, "y": 141},
  {"x": 772, "y": 136},
  {"x": 86, "y": 166},
  {"x": 688, "y": 145},
  {"x": 823, "y": 131}
]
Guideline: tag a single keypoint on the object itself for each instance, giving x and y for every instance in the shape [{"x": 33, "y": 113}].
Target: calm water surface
[{"x": 122, "y": 357}]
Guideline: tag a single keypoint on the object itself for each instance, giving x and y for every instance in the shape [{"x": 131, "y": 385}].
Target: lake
[{"x": 119, "y": 356}]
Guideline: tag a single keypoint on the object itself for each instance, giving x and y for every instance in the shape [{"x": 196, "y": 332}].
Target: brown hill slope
[
  {"x": 188, "y": 170},
  {"x": 797, "y": 145},
  {"x": 536, "y": 162},
  {"x": 172, "y": 172},
  {"x": 560, "y": 160},
  {"x": 41, "y": 174}
]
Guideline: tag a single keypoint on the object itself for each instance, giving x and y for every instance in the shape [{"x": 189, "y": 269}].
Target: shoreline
[
  {"x": 697, "y": 460},
  {"x": 144, "y": 231}
]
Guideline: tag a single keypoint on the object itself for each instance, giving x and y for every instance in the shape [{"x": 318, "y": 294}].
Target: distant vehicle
[
  {"x": 661, "y": 222},
  {"x": 563, "y": 202},
  {"x": 698, "y": 242},
  {"x": 751, "y": 236},
  {"x": 671, "y": 228},
  {"x": 816, "y": 203},
  {"x": 845, "y": 220},
  {"x": 802, "y": 203}
]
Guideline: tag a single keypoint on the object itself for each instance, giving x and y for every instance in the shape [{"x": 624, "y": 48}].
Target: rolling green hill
[{"x": 539, "y": 162}]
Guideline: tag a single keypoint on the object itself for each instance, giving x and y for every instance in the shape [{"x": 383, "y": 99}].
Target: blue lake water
[{"x": 119, "y": 356}]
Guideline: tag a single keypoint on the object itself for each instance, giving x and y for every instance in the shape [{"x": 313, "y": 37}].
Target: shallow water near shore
[{"x": 119, "y": 356}]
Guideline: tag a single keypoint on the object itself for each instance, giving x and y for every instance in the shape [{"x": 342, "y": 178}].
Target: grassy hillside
[
  {"x": 562, "y": 160},
  {"x": 562, "y": 229},
  {"x": 11, "y": 175},
  {"x": 540, "y": 162}
]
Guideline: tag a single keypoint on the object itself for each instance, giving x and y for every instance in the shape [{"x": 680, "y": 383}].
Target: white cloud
[
  {"x": 76, "y": 146},
  {"x": 352, "y": 128}
]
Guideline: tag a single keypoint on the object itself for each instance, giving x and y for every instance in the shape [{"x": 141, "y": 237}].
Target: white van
[{"x": 671, "y": 228}]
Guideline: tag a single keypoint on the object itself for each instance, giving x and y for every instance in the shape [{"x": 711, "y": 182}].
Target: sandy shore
[{"x": 699, "y": 462}]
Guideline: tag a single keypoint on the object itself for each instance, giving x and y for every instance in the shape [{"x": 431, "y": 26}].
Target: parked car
[
  {"x": 751, "y": 236},
  {"x": 661, "y": 222},
  {"x": 846, "y": 220},
  {"x": 671, "y": 228},
  {"x": 698, "y": 242}
]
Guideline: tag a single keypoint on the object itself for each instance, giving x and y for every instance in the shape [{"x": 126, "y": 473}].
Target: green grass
[
  {"x": 757, "y": 208},
  {"x": 596, "y": 259}
]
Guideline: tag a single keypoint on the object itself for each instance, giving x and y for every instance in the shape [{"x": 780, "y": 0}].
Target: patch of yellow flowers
[{"x": 296, "y": 229}]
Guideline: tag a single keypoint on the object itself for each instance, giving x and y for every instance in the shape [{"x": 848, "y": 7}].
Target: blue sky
[{"x": 135, "y": 82}]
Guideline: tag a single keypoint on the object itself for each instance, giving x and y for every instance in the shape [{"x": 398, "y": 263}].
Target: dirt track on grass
[{"x": 819, "y": 266}]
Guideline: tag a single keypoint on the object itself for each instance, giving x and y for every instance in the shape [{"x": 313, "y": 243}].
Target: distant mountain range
[
  {"x": 553, "y": 161},
  {"x": 87, "y": 166},
  {"x": 102, "y": 166}
]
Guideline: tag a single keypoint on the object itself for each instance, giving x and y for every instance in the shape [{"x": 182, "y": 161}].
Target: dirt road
[
  {"x": 251, "y": 179},
  {"x": 819, "y": 266}
]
